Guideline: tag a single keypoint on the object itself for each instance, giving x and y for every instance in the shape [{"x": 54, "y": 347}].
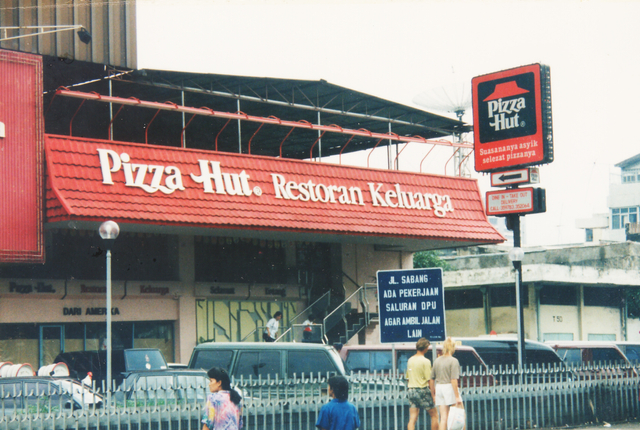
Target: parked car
[
  {"x": 502, "y": 353},
  {"x": 631, "y": 350},
  {"x": 263, "y": 369},
  {"x": 378, "y": 358},
  {"x": 267, "y": 360},
  {"x": 593, "y": 359},
  {"x": 80, "y": 363},
  {"x": 171, "y": 385},
  {"x": 35, "y": 394}
]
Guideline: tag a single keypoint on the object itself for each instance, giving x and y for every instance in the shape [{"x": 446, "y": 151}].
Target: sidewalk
[{"x": 602, "y": 426}]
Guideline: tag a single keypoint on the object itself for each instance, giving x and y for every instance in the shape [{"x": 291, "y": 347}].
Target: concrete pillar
[{"x": 185, "y": 326}]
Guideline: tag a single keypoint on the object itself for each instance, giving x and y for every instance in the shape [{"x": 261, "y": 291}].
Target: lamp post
[
  {"x": 516, "y": 255},
  {"x": 109, "y": 231}
]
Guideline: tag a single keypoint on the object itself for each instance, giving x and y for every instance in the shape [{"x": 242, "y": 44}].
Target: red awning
[{"x": 92, "y": 180}]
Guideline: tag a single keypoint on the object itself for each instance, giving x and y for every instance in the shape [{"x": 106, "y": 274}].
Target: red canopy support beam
[
  {"x": 182, "y": 143},
  {"x": 285, "y": 138},
  {"x": 452, "y": 155},
  {"x": 74, "y": 117},
  {"x": 370, "y": 152},
  {"x": 220, "y": 132},
  {"x": 254, "y": 135}
]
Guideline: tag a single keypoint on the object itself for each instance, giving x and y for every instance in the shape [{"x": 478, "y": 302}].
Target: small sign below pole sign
[
  {"x": 411, "y": 305},
  {"x": 516, "y": 201}
]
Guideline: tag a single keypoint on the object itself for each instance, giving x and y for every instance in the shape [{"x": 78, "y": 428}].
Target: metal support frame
[
  {"x": 41, "y": 30},
  {"x": 241, "y": 116}
]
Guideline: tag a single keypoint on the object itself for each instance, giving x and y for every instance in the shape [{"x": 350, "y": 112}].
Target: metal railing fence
[{"x": 498, "y": 399}]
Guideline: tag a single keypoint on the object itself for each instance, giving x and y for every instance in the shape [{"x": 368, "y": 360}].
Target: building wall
[
  {"x": 112, "y": 26},
  {"x": 624, "y": 195},
  {"x": 465, "y": 322},
  {"x": 558, "y": 321},
  {"x": 598, "y": 321}
]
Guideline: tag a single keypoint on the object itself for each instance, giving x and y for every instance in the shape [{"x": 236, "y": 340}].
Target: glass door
[{"x": 51, "y": 343}]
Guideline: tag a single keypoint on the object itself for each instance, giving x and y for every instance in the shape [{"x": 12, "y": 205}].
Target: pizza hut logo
[{"x": 507, "y": 108}]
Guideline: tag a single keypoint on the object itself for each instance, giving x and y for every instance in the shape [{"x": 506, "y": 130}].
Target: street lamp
[
  {"x": 516, "y": 255},
  {"x": 109, "y": 231}
]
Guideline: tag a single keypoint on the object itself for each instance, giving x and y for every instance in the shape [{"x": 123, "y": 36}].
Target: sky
[{"x": 410, "y": 51}]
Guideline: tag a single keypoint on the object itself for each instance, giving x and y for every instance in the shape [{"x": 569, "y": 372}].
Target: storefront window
[
  {"x": 38, "y": 345},
  {"x": 606, "y": 297},
  {"x": 463, "y": 299},
  {"x": 74, "y": 337},
  {"x": 80, "y": 254},
  {"x": 506, "y": 296},
  {"x": 219, "y": 259},
  {"x": 154, "y": 335},
  {"x": 566, "y": 295},
  {"x": 19, "y": 343}
]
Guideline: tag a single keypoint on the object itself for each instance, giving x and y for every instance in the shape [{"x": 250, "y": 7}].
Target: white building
[{"x": 623, "y": 202}]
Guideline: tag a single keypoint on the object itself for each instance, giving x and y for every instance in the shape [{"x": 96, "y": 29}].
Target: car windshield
[
  {"x": 144, "y": 360},
  {"x": 632, "y": 352}
]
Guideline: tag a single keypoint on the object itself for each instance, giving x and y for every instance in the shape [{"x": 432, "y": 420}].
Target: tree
[{"x": 428, "y": 259}]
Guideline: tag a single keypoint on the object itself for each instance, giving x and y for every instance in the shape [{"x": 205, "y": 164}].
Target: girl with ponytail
[{"x": 224, "y": 404}]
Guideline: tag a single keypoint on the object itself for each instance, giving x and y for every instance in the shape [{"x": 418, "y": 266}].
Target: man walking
[
  {"x": 421, "y": 393},
  {"x": 271, "y": 331}
]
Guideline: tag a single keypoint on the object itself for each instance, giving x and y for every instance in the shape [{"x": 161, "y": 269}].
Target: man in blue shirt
[{"x": 338, "y": 414}]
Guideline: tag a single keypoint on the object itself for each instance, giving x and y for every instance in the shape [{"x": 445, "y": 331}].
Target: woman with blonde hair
[{"x": 445, "y": 373}]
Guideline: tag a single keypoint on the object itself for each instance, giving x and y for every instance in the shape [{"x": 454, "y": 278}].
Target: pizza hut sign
[{"x": 214, "y": 178}]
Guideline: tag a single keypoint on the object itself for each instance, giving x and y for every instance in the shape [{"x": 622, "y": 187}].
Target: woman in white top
[{"x": 445, "y": 372}]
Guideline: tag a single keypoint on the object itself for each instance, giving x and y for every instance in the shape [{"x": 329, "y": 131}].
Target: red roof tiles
[{"x": 161, "y": 185}]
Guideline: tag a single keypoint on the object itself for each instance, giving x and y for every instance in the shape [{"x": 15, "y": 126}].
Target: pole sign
[
  {"x": 411, "y": 305},
  {"x": 512, "y": 118},
  {"x": 516, "y": 201},
  {"x": 21, "y": 158}
]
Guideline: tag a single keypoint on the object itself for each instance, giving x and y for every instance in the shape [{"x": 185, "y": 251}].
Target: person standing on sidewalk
[
  {"x": 446, "y": 372},
  {"x": 223, "y": 410},
  {"x": 421, "y": 392},
  {"x": 339, "y": 413}
]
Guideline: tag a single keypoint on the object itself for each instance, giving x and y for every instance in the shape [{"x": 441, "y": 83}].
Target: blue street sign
[{"x": 411, "y": 305}]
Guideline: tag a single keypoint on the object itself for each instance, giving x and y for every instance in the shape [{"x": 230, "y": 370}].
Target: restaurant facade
[{"x": 215, "y": 236}]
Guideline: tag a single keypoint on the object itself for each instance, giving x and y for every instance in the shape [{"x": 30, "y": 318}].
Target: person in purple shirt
[{"x": 338, "y": 414}]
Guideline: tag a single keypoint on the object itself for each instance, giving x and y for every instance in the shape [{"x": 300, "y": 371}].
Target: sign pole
[{"x": 517, "y": 264}]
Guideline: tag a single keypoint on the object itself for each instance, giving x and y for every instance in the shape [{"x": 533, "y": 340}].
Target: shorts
[
  {"x": 445, "y": 395},
  {"x": 267, "y": 338},
  {"x": 420, "y": 398}
]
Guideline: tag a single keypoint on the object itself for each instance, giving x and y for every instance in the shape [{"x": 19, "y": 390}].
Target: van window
[
  {"x": 381, "y": 360},
  {"x": 500, "y": 357},
  {"x": 403, "y": 358},
  {"x": 633, "y": 353},
  {"x": 607, "y": 355},
  {"x": 310, "y": 362},
  {"x": 206, "y": 359},
  {"x": 467, "y": 359},
  {"x": 571, "y": 356},
  {"x": 358, "y": 361},
  {"x": 255, "y": 364}
]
